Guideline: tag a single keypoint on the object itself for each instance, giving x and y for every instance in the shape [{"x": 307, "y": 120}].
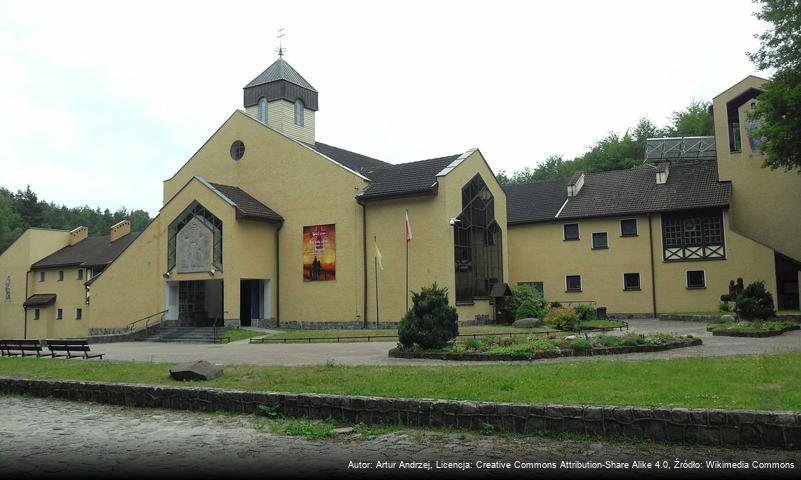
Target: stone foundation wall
[
  {"x": 113, "y": 335},
  {"x": 354, "y": 325},
  {"x": 681, "y": 425}
]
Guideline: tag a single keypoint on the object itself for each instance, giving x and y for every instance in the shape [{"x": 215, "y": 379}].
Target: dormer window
[
  {"x": 263, "y": 110},
  {"x": 299, "y": 112}
]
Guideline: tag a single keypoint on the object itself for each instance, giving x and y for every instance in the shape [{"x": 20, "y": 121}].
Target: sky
[{"x": 102, "y": 101}]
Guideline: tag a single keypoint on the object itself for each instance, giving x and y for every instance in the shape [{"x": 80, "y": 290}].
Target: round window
[{"x": 237, "y": 150}]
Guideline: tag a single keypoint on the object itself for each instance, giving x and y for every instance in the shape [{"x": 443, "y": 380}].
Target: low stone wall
[
  {"x": 98, "y": 335},
  {"x": 680, "y": 425},
  {"x": 565, "y": 352},
  {"x": 774, "y": 333},
  {"x": 354, "y": 325}
]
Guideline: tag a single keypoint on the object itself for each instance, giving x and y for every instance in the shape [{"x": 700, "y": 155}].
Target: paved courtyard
[
  {"x": 375, "y": 353},
  {"x": 41, "y": 437}
]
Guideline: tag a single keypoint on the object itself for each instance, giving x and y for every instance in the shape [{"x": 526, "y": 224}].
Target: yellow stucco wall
[
  {"x": 281, "y": 117},
  {"x": 765, "y": 204},
  {"x": 70, "y": 296},
  {"x": 33, "y": 245},
  {"x": 540, "y": 255}
]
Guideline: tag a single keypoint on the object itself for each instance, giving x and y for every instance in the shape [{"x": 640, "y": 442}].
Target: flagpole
[
  {"x": 375, "y": 258},
  {"x": 406, "y": 237}
]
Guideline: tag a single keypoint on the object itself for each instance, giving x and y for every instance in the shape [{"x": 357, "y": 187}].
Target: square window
[
  {"x": 61, "y": 275},
  {"x": 573, "y": 283},
  {"x": 571, "y": 231},
  {"x": 631, "y": 281},
  {"x": 36, "y": 313},
  {"x": 600, "y": 240},
  {"x": 59, "y": 314},
  {"x": 628, "y": 227},
  {"x": 78, "y": 313},
  {"x": 696, "y": 279},
  {"x": 79, "y": 274},
  {"x": 41, "y": 276}
]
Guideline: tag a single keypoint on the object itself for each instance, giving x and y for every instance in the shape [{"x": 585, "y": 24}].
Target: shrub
[
  {"x": 633, "y": 340},
  {"x": 756, "y": 302},
  {"x": 607, "y": 340},
  {"x": 562, "y": 319},
  {"x": 724, "y": 307},
  {"x": 431, "y": 323},
  {"x": 585, "y": 312},
  {"x": 473, "y": 344},
  {"x": 556, "y": 304},
  {"x": 527, "y": 310},
  {"x": 522, "y": 294},
  {"x": 581, "y": 345}
]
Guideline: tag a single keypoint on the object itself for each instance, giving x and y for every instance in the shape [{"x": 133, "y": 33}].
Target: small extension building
[{"x": 264, "y": 225}]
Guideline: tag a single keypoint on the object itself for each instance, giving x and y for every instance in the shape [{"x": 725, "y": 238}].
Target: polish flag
[{"x": 408, "y": 228}]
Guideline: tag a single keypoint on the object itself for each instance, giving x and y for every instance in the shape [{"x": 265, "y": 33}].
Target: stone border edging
[
  {"x": 771, "y": 333},
  {"x": 677, "y": 425},
  {"x": 565, "y": 352}
]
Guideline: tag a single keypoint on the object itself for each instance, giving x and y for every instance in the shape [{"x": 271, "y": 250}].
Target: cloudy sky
[{"x": 101, "y": 101}]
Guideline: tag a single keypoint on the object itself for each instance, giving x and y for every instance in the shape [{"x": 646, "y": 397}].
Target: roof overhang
[{"x": 40, "y": 300}]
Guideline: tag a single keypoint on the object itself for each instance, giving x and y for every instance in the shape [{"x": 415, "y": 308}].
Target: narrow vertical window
[
  {"x": 263, "y": 110},
  {"x": 78, "y": 313},
  {"x": 79, "y": 274},
  {"x": 36, "y": 313},
  {"x": 41, "y": 276},
  {"x": 59, "y": 314},
  {"x": 61, "y": 275},
  {"x": 299, "y": 112}
]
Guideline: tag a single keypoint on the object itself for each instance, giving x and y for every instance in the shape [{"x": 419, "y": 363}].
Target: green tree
[
  {"x": 693, "y": 121},
  {"x": 779, "y": 107}
]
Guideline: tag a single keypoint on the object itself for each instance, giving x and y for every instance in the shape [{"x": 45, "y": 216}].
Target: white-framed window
[
  {"x": 628, "y": 227},
  {"x": 78, "y": 313},
  {"x": 600, "y": 240},
  {"x": 61, "y": 275},
  {"x": 41, "y": 276},
  {"x": 59, "y": 314},
  {"x": 79, "y": 274},
  {"x": 37, "y": 313},
  {"x": 299, "y": 112},
  {"x": 631, "y": 281},
  {"x": 572, "y": 283},
  {"x": 570, "y": 231},
  {"x": 263, "y": 110},
  {"x": 696, "y": 279}
]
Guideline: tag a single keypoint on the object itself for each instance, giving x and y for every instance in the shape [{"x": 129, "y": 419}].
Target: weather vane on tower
[{"x": 280, "y": 36}]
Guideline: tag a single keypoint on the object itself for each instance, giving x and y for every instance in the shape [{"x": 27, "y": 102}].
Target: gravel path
[
  {"x": 45, "y": 437},
  {"x": 375, "y": 353}
]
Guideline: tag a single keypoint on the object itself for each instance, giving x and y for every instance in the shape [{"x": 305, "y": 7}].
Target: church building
[{"x": 266, "y": 226}]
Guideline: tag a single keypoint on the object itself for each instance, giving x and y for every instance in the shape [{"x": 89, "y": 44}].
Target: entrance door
[{"x": 251, "y": 301}]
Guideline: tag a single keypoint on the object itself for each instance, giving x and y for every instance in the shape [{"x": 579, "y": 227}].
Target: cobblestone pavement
[
  {"x": 46, "y": 437},
  {"x": 375, "y": 353}
]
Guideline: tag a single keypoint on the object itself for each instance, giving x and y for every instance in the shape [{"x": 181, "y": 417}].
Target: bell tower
[{"x": 283, "y": 100}]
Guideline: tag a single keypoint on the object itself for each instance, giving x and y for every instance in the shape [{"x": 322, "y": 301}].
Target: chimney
[
  {"x": 662, "y": 172},
  {"x": 120, "y": 230},
  {"x": 575, "y": 184},
  {"x": 78, "y": 234}
]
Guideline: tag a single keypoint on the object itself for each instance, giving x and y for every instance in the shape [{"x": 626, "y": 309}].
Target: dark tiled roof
[
  {"x": 246, "y": 206},
  {"x": 690, "y": 185},
  {"x": 90, "y": 252},
  {"x": 40, "y": 299},
  {"x": 280, "y": 70},
  {"x": 413, "y": 178},
  {"x": 535, "y": 202},
  {"x": 354, "y": 161}
]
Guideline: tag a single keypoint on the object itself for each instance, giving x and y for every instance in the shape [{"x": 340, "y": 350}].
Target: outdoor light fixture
[
  {"x": 454, "y": 221},
  {"x": 166, "y": 275}
]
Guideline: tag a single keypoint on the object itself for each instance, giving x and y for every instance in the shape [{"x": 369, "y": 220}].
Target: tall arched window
[
  {"x": 478, "y": 243},
  {"x": 263, "y": 110},
  {"x": 299, "y": 112}
]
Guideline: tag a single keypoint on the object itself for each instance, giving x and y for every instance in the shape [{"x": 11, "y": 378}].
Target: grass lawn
[
  {"x": 764, "y": 382},
  {"x": 331, "y": 334}
]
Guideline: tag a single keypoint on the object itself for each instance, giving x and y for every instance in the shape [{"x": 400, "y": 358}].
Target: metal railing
[
  {"x": 147, "y": 320},
  {"x": 368, "y": 338}
]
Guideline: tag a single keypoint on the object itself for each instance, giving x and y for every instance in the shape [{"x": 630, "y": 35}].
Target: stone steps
[{"x": 184, "y": 335}]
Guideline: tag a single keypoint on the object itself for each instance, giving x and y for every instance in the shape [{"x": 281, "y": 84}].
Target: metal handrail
[{"x": 146, "y": 319}]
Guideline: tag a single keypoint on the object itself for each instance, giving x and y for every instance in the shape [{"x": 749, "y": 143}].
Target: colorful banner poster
[{"x": 319, "y": 253}]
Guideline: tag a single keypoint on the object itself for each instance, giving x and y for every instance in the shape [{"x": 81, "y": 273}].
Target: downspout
[
  {"x": 364, "y": 255},
  {"x": 278, "y": 275},
  {"x": 653, "y": 275},
  {"x": 24, "y": 308}
]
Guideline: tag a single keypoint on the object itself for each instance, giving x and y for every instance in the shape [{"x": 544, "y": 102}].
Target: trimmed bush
[
  {"x": 756, "y": 302},
  {"x": 556, "y": 304},
  {"x": 522, "y": 294},
  {"x": 431, "y": 323},
  {"x": 585, "y": 312},
  {"x": 526, "y": 310},
  {"x": 581, "y": 345},
  {"x": 562, "y": 319}
]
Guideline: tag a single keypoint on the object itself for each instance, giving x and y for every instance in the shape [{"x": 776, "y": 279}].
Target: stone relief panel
[
  {"x": 193, "y": 247},
  {"x": 7, "y": 288}
]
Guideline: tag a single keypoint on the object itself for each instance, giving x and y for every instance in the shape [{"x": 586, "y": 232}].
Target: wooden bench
[
  {"x": 20, "y": 348},
  {"x": 71, "y": 347}
]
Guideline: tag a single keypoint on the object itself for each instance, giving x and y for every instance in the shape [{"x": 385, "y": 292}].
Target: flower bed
[
  {"x": 752, "y": 329},
  {"x": 534, "y": 348}
]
